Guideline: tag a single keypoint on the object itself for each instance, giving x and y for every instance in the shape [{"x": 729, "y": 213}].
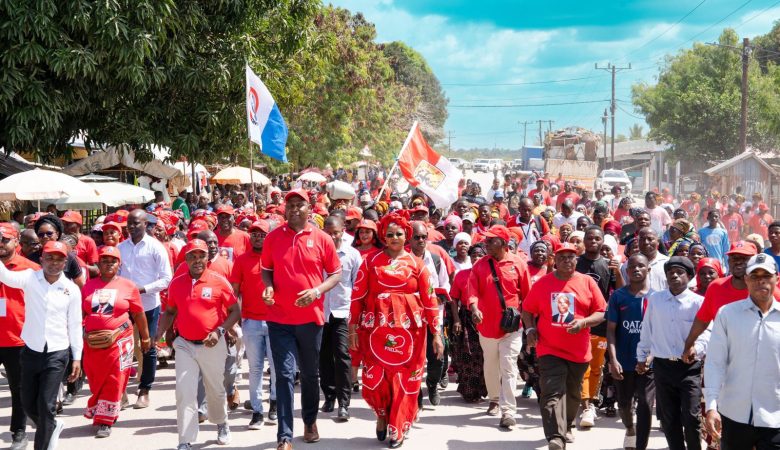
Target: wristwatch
[
  {"x": 528, "y": 330},
  {"x": 220, "y": 331}
]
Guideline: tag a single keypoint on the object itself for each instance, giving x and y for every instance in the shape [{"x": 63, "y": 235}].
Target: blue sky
[{"x": 491, "y": 52}]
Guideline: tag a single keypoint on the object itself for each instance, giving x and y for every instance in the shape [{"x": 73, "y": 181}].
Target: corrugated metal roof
[
  {"x": 10, "y": 165},
  {"x": 741, "y": 157}
]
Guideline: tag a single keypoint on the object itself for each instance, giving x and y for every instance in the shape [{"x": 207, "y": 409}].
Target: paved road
[{"x": 453, "y": 425}]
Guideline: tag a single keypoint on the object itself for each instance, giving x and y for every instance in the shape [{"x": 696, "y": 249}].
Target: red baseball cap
[
  {"x": 56, "y": 247},
  {"x": 420, "y": 208},
  {"x": 299, "y": 192},
  {"x": 72, "y": 217},
  {"x": 354, "y": 213},
  {"x": 108, "y": 250},
  {"x": 566, "y": 247},
  {"x": 367, "y": 224},
  {"x": 742, "y": 248},
  {"x": 8, "y": 231},
  {"x": 196, "y": 226},
  {"x": 498, "y": 231},
  {"x": 260, "y": 225},
  {"x": 115, "y": 225},
  {"x": 119, "y": 219},
  {"x": 762, "y": 207},
  {"x": 196, "y": 245},
  {"x": 225, "y": 209}
]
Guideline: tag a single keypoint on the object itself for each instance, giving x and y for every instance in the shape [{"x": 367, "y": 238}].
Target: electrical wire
[
  {"x": 527, "y": 106},
  {"x": 665, "y": 31},
  {"x": 525, "y": 83}
]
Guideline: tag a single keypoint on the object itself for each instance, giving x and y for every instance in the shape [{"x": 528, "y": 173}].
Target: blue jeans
[
  {"x": 150, "y": 357},
  {"x": 291, "y": 343},
  {"x": 258, "y": 346}
]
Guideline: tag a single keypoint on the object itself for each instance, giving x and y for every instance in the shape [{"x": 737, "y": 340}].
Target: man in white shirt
[
  {"x": 648, "y": 246},
  {"x": 439, "y": 280},
  {"x": 567, "y": 215},
  {"x": 659, "y": 218},
  {"x": 145, "y": 263},
  {"x": 51, "y": 333},
  {"x": 743, "y": 348}
]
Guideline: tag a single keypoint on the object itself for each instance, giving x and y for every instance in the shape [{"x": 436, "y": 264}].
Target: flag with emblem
[
  {"x": 264, "y": 120},
  {"x": 427, "y": 170}
]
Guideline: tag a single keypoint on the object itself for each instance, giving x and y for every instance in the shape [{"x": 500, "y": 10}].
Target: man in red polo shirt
[
  {"x": 246, "y": 280},
  {"x": 295, "y": 257},
  {"x": 721, "y": 292},
  {"x": 500, "y": 349},
  {"x": 11, "y": 321},
  {"x": 199, "y": 300},
  {"x": 558, "y": 314},
  {"x": 232, "y": 242},
  {"x": 86, "y": 249}
]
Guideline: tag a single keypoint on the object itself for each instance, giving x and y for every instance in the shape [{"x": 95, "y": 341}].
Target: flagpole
[
  {"x": 398, "y": 158},
  {"x": 251, "y": 174}
]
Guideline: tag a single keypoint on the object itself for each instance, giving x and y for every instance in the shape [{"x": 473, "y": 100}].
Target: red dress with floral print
[{"x": 392, "y": 303}]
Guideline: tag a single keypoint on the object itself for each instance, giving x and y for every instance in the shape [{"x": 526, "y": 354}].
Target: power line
[
  {"x": 716, "y": 23},
  {"x": 758, "y": 14},
  {"x": 526, "y": 106},
  {"x": 632, "y": 115},
  {"x": 665, "y": 31},
  {"x": 566, "y": 80}
]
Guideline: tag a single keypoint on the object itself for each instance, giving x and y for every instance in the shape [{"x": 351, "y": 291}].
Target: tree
[
  {"x": 695, "y": 106},
  {"x": 141, "y": 72},
  {"x": 635, "y": 132}
]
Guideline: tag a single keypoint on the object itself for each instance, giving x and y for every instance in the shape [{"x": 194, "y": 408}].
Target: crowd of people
[{"x": 598, "y": 304}]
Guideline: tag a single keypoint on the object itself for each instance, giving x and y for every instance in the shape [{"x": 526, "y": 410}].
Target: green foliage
[
  {"x": 695, "y": 106},
  {"x": 635, "y": 132}
]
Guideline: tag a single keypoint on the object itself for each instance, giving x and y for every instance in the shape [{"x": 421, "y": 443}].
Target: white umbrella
[
  {"x": 314, "y": 177},
  {"x": 38, "y": 184},
  {"x": 113, "y": 194},
  {"x": 239, "y": 175}
]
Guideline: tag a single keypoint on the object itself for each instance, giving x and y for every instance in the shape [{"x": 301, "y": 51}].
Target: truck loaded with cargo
[{"x": 572, "y": 152}]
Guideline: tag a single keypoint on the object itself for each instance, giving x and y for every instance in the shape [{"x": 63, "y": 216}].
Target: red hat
[
  {"x": 367, "y": 224},
  {"x": 420, "y": 208},
  {"x": 8, "y": 231},
  {"x": 72, "y": 217},
  {"x": 56, "y": 247},
  {"x": 320, "y": 209},
  {"x": 566, "y": 247},
  {"x": 107, "y": 250},
  {"x": 354, "y": 213},
  {"x": 762, "y": 207},
  {"x": 742, "y": 248},
  {"x": 297, "y": 192},
  {"x": 196, "y": 226},
  {"x": 260, "y": 225},
  {"x": 115, "y": 225},
  {"x": 498, "y": 231},
  {"x": 196, "y": 245},
  {"x": 225, "y": 209}
]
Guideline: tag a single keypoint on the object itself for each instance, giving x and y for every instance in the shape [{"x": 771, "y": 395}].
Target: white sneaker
[
  {"x": 55, "y": 435},
  {"x": 588, "y": 417}
]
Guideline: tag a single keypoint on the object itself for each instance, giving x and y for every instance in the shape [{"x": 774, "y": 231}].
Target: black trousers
[
  {"x": 678, "y": 396},
  {"x": 10, "y": 359},
  {"x": 741, "y": 436},
  {"x": 335, "y": 362},
  {"x": 435, "y": 367},
  {"x": 42, "y": 374},
  {"x": 642, "y": 388}
]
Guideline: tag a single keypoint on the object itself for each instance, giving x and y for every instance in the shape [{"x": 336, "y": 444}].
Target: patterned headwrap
[
  {"x": 453, "y": 219},
  {"x": 394, "y": 218}
]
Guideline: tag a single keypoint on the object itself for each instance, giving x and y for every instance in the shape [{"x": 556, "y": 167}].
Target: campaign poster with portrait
[{"x": 562, "y": 305}]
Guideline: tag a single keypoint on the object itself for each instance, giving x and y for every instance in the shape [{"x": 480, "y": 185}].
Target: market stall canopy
[
  {"x": 38, "y": 184},
  {"x": 112, "y": 194},
  {"x": 314, "y": 177},
  {"x": 95, "y": 177},
  {"x": 239, "y": 175},
  {"x": 114, "y": 156}
]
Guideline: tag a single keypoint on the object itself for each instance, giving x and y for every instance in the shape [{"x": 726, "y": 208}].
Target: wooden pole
[
  {"x": 389, "y": 174},
  {"x": 251, "y": 174}
]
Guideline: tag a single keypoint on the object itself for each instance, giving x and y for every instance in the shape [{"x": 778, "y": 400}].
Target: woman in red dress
[
  {"x": 366, "y": 240},
  {"x": 392, "y": 303},
  {"x": 108, "y": 300}
]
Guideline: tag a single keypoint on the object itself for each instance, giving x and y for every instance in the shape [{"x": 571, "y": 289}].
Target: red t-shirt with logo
[
  {"x": 719, "y": 294},
  {"x": 545, "y": 196},
  {"x": 512, "y": 272},
  {"x": 734, "y": 224},
  {"x": 86, "y": 249},
  {"x": 234, "y": 245},
  {"x": 575, "y": 298},
  {"x": 220, "y": 265},
  {"x": 12, "y": 305},
  {"x": 759, "y": 224},
  {"x": 299, "y": 262},
  {"x": 200, "y": 304},
  {"x": 246, "y": 273},
  {"x": 107, "y": 306}
]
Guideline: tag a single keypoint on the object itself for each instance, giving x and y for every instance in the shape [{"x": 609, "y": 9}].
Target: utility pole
[
  {"x": 604, "y": 120},
  {"x": 525, "y": 129},
  {"x": 449, "y": 142},
  {"x": 549, "y": 125},
  {"x": 541, "y": 141},
  {"x": 746, "y": 50},
  {"x": 613, "y": 107}
]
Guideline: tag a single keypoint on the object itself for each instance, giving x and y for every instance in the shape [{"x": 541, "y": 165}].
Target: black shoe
[
  {"x": 59, "y": 408},
  {"x": 445, "y": 381},
  {"x": 381, "y": 435},
  {"x": 272, "y": 411},
  {"x": 328, "y": 406},
  {"x": 69, "y": 399},
  {"x": 356, "y": 387},
  {"x": 257, "y": 421},
  {"x": 433, "y": 396},
  {"x": 19, "y": 440},
  {"x": 248, "y": 405},
  {"x": 343, "y": 414}
]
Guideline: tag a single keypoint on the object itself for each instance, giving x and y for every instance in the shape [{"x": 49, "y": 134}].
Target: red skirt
[{"x": 107, "y": 370}]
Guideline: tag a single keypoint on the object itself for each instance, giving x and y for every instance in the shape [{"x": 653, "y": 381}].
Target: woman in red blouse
[
  {"x": 366, "y": 240},
  {"x": 108, "y": 300},
  {"x": 392, "y": 303}
]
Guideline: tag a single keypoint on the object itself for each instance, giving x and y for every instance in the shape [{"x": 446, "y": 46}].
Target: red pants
[
  {"x": 107, "y": 370},
  {"x": 392, "y": 390}
]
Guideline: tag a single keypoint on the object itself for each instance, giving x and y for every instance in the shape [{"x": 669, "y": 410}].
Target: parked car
[
  {"x": 613, "y": 177},
  {"x": 516, "y": 164},
  {"x": 482, "y": 165},
  {"x": 460, "y": 163}
]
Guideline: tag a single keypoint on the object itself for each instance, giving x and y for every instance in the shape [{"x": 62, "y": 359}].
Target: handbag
[
  {"x": 104, "y": 338},
  {"x": 510, "y": 317}
]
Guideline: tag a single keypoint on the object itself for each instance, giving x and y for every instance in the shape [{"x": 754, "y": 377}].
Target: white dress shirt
[
  {"x": 52, "y": 312},
  {"x": 656, "y": 276},
  {"x": 744, "y": 349},
  {"x": 559, "y": 219},
  {"x": 338, "y": 299},
  {"x": 666, "y": 324},
  {"x": 146, "y": 264}
]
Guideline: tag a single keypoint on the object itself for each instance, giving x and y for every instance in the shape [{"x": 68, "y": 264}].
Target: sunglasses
[
  {"x": 46, "y": 234},
  {"x": 420, "y": 237},
  {"x": 394, "y": 235}
]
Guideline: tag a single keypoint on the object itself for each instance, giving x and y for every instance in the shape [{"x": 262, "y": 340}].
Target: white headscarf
[
  {"x": 612, "y": 243},
  {"x": 461, "y": 237}
]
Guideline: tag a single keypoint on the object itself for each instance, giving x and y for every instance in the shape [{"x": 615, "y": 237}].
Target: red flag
[{"x": 428, "y": 171}]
